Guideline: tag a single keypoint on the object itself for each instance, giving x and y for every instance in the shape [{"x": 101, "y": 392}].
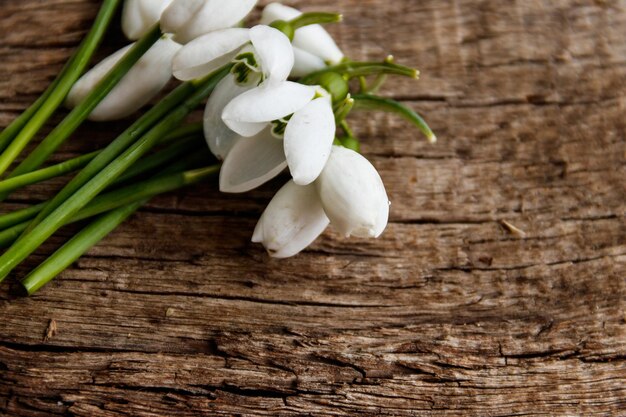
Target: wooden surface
[{"x": 449, "y": 313}]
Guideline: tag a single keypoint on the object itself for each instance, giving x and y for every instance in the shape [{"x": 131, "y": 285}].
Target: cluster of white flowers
[{"x": 257, "y": 121}]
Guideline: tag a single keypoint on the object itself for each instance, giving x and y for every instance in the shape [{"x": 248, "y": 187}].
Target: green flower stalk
[
  {"x": 77, "y": 163},
  {"x": 78, "y": 114},
  {"x": 372, "y": 102},
  {"x": 24, "y": 128},
  {"x": 104, "y": 225},
  {"x": 32, "y": 240},
  {"x": 157, "y": 160},
  {"x": 119, "y": 145},
  {"x": 165, "y": 182}
]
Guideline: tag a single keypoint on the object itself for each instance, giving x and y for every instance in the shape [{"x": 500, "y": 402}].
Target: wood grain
[{"x": 449, "y": 313}]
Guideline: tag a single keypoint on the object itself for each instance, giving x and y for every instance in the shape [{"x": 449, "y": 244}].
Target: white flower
[
  {"x": 240, "y": 108},
  {"x": 308, "y": 123},
  {"x": 259, "y": 53},
  {"x": 144, "y": 80},
  {"x": 349, "y": 195},
  {"x": 314, "y": 48},
  {"x": 139, "y": 16},
  {"x": 189, "y": 19},
  {"x": 292, "y": 221},
  {"x": 308, "y": 133},
  {"x": 353, "y": 194}
]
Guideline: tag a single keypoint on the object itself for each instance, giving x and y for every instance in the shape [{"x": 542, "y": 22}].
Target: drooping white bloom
[
  {"x": 308, "y": 122},
  {"x": 241, "y": 108},
  {"x": 189, "y": 19},
  {"x": 139, "y": 16},
  {"x": 314, "y": 48},
  {"x": 292, "y": 221},
  {"x": 145, "y": 80},
  {"x": 349, "y": 195},
  {"x": 260, "y": 53},
  {"x": 353, "y": 194}
]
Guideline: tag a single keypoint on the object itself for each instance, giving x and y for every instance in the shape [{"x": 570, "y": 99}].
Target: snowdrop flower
[
  {"x": 260, "y": 53},
  {"x": 353, "y": 194},
  {"x": 349, "y": 195},
  {"x": 139, "y": 16},
  {"x": 241, "y": 108},
  {"x": 313, "y": 47},
  {"x": 145, "y": 79},
  {"x": 189, "y": 19},
  {"x": 292, "y": 221},
  {"x": 302, "y": 115}
]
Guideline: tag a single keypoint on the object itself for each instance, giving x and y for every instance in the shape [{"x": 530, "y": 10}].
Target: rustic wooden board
[{"x": 447, "y": 314}]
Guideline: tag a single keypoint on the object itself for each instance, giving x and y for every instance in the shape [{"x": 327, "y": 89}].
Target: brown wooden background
[{"x": 449, "y": 313}]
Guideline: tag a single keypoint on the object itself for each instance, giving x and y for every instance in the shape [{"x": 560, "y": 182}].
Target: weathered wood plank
[{"x": 449, "y": 313}]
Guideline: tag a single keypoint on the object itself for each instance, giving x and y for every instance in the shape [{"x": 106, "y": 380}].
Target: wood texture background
[{"x": 177, "y": 314}]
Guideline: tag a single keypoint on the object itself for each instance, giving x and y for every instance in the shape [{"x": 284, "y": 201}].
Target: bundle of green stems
[{"x": 107, "y": 185}]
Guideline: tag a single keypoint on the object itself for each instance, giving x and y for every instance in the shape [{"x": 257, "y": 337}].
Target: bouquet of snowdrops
[{"x": 277, "y": 96}]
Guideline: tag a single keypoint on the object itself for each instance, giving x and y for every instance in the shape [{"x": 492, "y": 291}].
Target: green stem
[
  {"x": 362, "y": 69},
  {"x": 119, "y": 145},
  {"x": 371, "y": 102},
  {"x": 314, "y": 18},
  {"x": 31, "y": 125},
  {"x": 164, "y": 157},
  {"x": 346, "y": 128},
  {"x": 29, "y": 242},
  {"x": 14, "y": 128},
  {"x": 101, "y": 227},
  {"x": 74, "y": 164},
  {"x": 111, "y": 200},
  {"x": 343, "y": 109},
  {"x": 161, "y": 158},
  {"x": 71, "y": 165},
  {"x": 79, "y": 113},
  {"x": 19, "y": 216}
]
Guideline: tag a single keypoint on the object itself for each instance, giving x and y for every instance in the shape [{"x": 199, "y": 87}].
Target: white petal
[
  {"x": 219, "y": 137},
  {"x": 353, "y": 194},
  {"x": 274, "y": 51},
  {"x": 313, "y": 39},
  {"x": 248, "y": 113},
  {"x": 276, "y": 11},
  {"x": 305, "y": 63},
  {"x": 139, "y": 16},
  {"x": 210, "y": 16},
  {"x": 291, "y": 222},
  {"x": 145, "y": 80},
  {"x": 252, "y": 162},
  {"x": 88, "y": 81},
  {"x": 179, "y": 13},
  {"x": 207, "y": 53},
  {"x": 308, "y": 140}
]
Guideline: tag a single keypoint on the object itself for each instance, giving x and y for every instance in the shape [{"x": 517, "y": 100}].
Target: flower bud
[
  {"x": 353, "y": 194},
  {"x": 313, "y": 39},
  {"x": 335, "y": 84},
  {"x": 144, "y": 80},
  {"x": 140, "y": 15},
  {"x": 292, "y": 221},
  {"x": 189, "y": 19}
]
